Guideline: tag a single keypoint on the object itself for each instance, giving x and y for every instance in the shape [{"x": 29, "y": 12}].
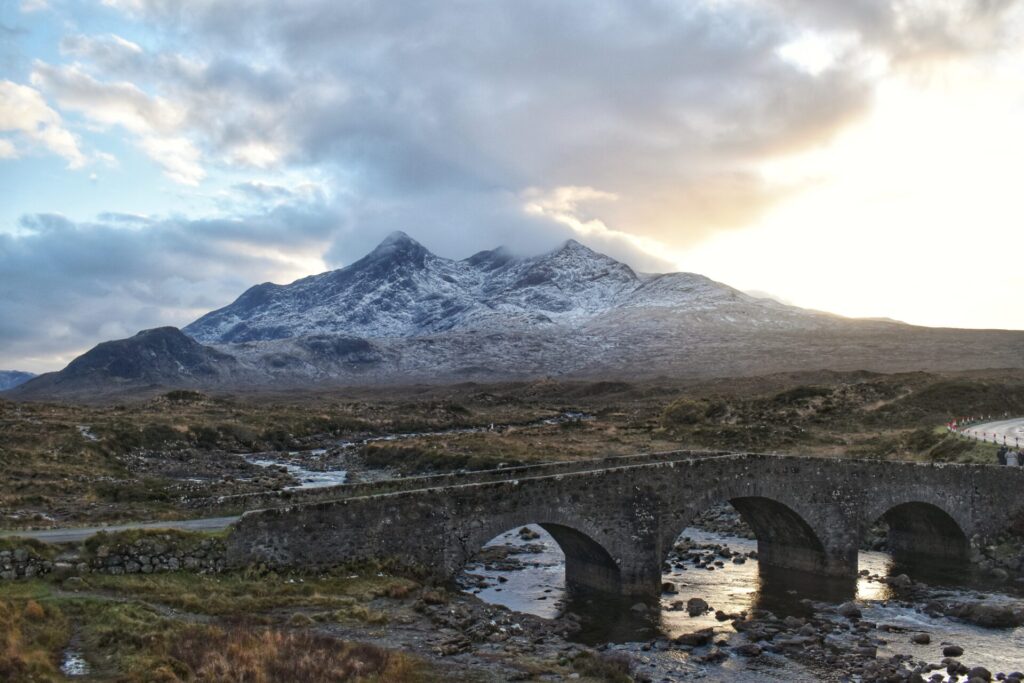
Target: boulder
[
  {"x": 850, "y": 610},
  {"x": 980, "y": 673},
  {"x": 696, "y": 607},
  {"x": 697, "y": 638}
]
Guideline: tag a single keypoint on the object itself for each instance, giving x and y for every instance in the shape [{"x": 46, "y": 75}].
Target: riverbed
[{"x": 537, "y": 586}]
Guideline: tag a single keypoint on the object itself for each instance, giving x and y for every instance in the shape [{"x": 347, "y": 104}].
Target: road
[
  {"x": 77, "y": 535},
  {"x": 1011, "y": 430}
]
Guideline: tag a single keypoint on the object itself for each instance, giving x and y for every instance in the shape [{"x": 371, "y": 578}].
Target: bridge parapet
[{"x": 289, "y": 497}]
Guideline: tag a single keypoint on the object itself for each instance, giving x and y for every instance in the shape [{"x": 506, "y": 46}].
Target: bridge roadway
[{"x": 616, "y": 519}]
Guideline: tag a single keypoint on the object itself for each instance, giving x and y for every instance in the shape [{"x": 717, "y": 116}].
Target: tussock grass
[
  {"x": 243, "y": 655},
  {"x": 31, "y": 638}
]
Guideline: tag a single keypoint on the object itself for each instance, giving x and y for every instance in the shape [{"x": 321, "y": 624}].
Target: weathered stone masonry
[{"x": 616, "y": 525}]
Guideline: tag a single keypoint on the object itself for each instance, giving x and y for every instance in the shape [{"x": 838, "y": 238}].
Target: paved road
[
  {"x": 1011, "y": 430},
  {"x": 76, "y": 535}
]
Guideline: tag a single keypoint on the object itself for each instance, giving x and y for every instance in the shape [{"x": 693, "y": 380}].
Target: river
[{"x": 538, "y": 587}]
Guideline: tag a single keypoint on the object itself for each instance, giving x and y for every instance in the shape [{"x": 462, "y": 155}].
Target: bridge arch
[
  {"x": 784, "y": 537},
  {"x": 921, "y": 530},
  {"x": 791, "y": 532},
  {"x": 590, "y": 566}
]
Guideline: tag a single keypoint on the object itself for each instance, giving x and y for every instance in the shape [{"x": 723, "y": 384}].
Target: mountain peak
[
  {"x": 491, "y": 258},
  {"x": 396, "y": 249},
  {"x": 396, "y": 237},
  {"x": 398, "y": 245},
  {"x": 571, "y": 246}
]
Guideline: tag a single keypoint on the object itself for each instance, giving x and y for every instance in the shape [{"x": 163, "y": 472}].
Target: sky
[{"x": 157, "y": 158}]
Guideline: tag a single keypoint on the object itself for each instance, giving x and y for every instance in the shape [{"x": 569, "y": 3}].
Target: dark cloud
[{"x": 67, "y": 285}]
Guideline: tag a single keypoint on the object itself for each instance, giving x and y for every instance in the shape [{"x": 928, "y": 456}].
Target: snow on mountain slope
[
  {"x": 401, "y": 314},
  {"x": 400, "y": 289}
]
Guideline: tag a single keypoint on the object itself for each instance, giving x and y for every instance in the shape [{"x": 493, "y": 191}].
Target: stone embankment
[{"x": 116, "y": 554}]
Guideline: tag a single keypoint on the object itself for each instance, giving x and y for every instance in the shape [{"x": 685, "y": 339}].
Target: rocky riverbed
[{"x": 721, "y": 618}]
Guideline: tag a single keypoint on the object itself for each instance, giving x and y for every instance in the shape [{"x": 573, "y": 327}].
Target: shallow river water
[{"x": 539, "y": 588}]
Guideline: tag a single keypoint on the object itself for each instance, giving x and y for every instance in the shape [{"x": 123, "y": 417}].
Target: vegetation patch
[
  {"x": 611, "y": 668},
  {"x": 238, "y": 594},
  {"x": 31, "y": 637},
  {"x": 246, "y": 655}
]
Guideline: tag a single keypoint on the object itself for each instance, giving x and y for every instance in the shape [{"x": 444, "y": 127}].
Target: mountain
[
  {"x": 152, "y": 358},
  {"x": 401, "y": 290},
  {"x": 403, "y": 314},
  {"x": 12, "y": 378}
]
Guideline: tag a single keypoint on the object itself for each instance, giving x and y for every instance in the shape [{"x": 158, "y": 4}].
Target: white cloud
[
  {"x": 23, "y": 110},
  {"x": 30, "y": 6},
  {"x": 7, "y": 149},
  {"x": 157, "y": 122},
  {"x": 177, "y": 156},
  {"x": 122, "y": 104}
]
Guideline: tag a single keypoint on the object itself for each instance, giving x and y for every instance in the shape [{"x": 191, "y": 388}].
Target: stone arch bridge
[{"x": 616, "y": 519}]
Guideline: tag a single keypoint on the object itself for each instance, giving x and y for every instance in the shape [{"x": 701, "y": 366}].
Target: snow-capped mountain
[
  {"x": 402, "y": 314},
  {"x": 401, "y": 290}
]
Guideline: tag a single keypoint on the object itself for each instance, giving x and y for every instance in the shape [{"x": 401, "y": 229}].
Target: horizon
[{"x": 157, "y": 163}]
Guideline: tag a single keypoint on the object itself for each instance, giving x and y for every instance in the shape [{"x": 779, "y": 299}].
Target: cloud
[
  {"x": 67, "y": 285},
  {"x": 644, "y": 127},
  {"x": 30, "y": 6},
  {"x": 24, "y": 112},
  {"x": 428, "y": 101},
  {"x": 911, "y": 32},
  {"x": 154, "y": 120},
  {"x": 670, "y": 107}
]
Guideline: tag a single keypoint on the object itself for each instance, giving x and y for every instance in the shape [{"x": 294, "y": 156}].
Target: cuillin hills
[{"x": 403, "y": 314}]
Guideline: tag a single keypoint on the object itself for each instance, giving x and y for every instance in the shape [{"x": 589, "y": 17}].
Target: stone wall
[
  {"x": 159, "y": 553},
  {"x": 23, "y": 563},
  {"x": 116, "y": 554}
]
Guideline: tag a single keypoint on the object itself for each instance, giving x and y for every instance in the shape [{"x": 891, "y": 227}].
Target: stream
[
  {"x": 315, "y": 468},
  {"x": 533, "y": 582}
]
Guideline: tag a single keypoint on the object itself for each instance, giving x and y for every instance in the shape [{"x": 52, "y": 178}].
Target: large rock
[{"x": 695, "y": 607}]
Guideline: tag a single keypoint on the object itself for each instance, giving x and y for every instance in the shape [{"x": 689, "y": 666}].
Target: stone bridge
[{"x": 617, "y": 519}]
